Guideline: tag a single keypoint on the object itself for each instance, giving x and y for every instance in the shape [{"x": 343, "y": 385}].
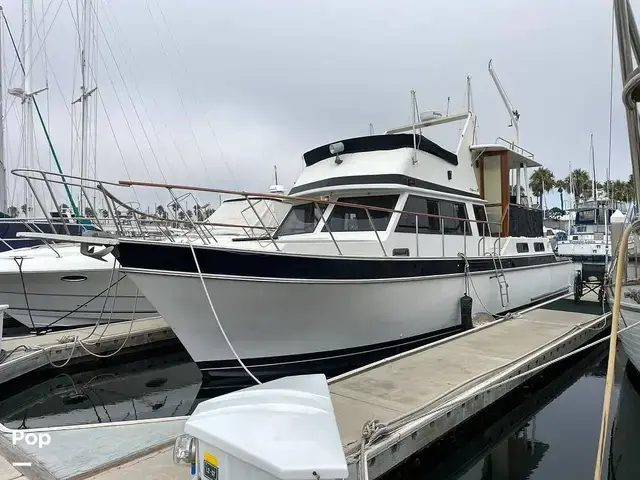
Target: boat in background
[{"x": 57, "y": 286}]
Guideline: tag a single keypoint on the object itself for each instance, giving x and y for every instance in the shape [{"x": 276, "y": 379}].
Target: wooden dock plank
[{"x": 386, "y": 391}]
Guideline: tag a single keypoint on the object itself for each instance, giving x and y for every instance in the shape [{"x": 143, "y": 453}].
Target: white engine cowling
[{"x": 284, "y": 429}]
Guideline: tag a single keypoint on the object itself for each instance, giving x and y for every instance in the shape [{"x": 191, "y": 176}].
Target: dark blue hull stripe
[{"x": 246, "y": 263}]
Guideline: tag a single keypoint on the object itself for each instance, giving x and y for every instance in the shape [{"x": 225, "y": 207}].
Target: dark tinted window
[
  {"x": 481, "y": 216},
  {"x": 353, "y": 219},
  {"x": 538, "y": 246},
  {"x": 451, "y": 225},
  {"x": 407, "y": 222},
  {"x": 301, "y": 218},
  {"x": 522, "y": 247}
]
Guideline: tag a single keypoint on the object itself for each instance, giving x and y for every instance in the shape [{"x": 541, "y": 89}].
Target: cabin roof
[
  {"x": 373, "y": 143},
  {"x": 513, "y": 157}
]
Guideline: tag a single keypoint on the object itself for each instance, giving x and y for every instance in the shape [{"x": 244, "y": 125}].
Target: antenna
[
  {"x": 371, "y": 131},
  {"x": 513, "y": 113},
  {"x": 515, "y": 118},
  {"x": 275, "y": 173}
]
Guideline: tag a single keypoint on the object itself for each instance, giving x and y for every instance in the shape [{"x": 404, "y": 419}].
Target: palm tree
[
  {"x": 160, "y": 211},
  {"x": 562, "y": 186},
  {"x": 13, "y": 211},
  {"x": 541, "y": 182},
  {"x": 581, "y": 183}
]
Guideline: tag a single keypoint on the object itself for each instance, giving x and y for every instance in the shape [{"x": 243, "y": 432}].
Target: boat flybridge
[{"x": 391, "y": 241}]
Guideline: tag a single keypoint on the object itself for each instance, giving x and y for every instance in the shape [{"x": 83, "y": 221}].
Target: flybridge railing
[{"x": 516, "y": 148}]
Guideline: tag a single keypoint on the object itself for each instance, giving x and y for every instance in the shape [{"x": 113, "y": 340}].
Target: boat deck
[
  {"x": 446, "y": 383},
  {"x": 31, "y": 352}
]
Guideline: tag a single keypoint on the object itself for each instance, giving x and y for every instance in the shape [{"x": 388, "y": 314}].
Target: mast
[
  {"x": 84, "y": 98},
  {"x": 27, "y": 98},
  {"x": 3, "y": 170}
]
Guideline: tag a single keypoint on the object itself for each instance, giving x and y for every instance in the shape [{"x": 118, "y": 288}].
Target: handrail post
[
  {"x": 326, "y": 224},
  {"x": 95, "y": 213},
  {"x": 442, "y": 232},
  {"x": 262, "y": 223},
  {"x": 205, "y": 241},
  {"x": 464, "y": 236},
  {"x": 375, "y": 231},
  {"x": 417, "y": 238},
  {"x": 53, "y": 198},
  {"x": 116, "y": 222}
]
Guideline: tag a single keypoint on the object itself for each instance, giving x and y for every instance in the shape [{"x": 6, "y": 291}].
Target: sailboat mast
[
  {"x": 83, "y": 92},
  {"x": 3, "y": 169},
  {"x": 27, "y": 99}
]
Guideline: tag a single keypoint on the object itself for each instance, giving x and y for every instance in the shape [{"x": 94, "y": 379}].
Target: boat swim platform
[
  {"x": 444, "y": 383},
  {"x": 25, "y": 354}
]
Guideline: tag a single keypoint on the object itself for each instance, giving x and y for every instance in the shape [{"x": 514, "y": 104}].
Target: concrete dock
[
  {"x": 31, "y": 352},
  {"x": 406, "y": 402}
]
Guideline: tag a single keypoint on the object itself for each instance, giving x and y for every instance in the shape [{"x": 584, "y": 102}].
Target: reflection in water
[
  {"x": 511, "y": 440},
  {"x": 148, "y": 388},
  {"x": 624, "y": 457}
]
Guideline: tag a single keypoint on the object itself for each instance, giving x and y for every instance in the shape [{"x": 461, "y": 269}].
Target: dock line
[{"x": 215, "y": 315}]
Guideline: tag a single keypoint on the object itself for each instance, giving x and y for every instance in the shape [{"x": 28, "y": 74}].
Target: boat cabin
[
  {"x": 507, "y": 208},
  {"x": 426, "y": 200}
]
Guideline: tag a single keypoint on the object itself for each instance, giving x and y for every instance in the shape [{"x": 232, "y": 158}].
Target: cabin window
[
  {"x": 522, "y": 247},
  {"x": 354, "y": 219},
  {"x": 407, "y": 222},
  {"x": 302, "y": 218},
  {"x": 426, "y": 224},
  {"x": 451, "y": 225},
  {"x": 538, "y": 246},
  {"x": 481, "y": 216}
]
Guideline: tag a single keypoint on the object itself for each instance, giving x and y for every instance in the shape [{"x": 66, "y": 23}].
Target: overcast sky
[{"x": 223, "y": 91}]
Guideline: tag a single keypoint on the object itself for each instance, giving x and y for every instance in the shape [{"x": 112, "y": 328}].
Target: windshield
[
  {"x": 302, "y": 218},
  {"x": 352, "y": 219}
]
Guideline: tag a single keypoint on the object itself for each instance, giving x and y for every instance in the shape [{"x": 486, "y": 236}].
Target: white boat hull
[
  {"x": 630, "y": 338},
  {"x": 67, "y": 291},
  {"x": 285, "y": 326}
]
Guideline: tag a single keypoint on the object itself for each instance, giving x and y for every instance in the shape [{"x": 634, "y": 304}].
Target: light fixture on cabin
[{"x": 336, "y": 149}]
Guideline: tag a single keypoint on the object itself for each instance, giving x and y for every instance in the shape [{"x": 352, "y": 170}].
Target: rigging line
[
  {"x": 611, "y": 68},
  {"x": 129, "y": 126},
  {"x": 120, "y": 33},
  {"x": 42, "y": 124},
  {"x": 180, "y": 59},
  {"x": 175, "y": 85},
  {"x": 135, "y": 110},
  {"x": 73, "y": 143},
  {"x": 43, "y": 40}
]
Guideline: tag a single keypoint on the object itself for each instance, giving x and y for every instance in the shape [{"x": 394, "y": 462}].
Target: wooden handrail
[{"x": 277, "y": 196}]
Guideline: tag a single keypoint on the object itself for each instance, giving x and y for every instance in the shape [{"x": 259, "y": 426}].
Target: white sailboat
[{"x": 57, "y": 286}]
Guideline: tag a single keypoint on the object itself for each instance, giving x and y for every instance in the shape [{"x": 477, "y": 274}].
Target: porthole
[{"x": 73, "y": 278}]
